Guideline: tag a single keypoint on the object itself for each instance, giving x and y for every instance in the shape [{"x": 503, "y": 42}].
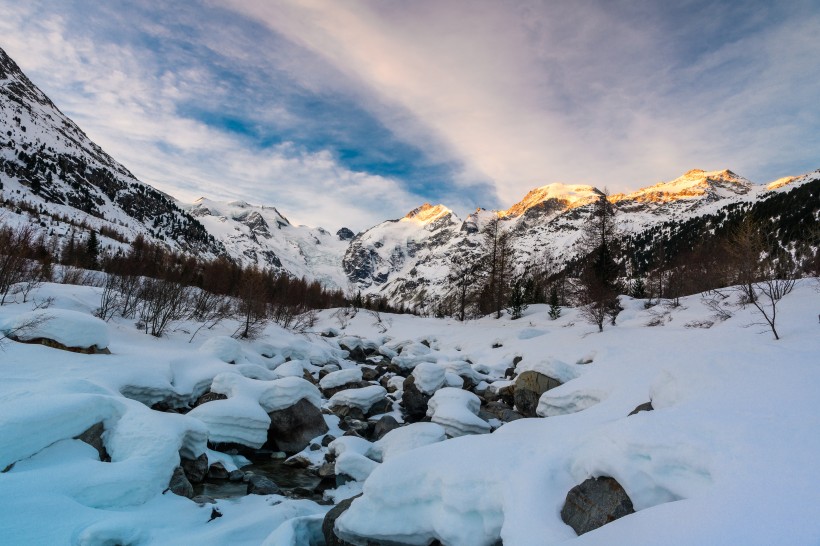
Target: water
[{"x": 286, "y": 477}]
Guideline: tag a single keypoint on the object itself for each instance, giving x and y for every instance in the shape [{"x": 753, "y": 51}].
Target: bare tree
[
  {"x": 497, "y": 265},
  {"x": 209, "y": 309},
  {"x": 15, "y": 248}
]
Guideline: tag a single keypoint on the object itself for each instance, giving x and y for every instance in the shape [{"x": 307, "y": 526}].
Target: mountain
[
  {"x": 408, "y": 261},
  {"x": 52, "y": 170},
  {"x": 262, "y": 236}
]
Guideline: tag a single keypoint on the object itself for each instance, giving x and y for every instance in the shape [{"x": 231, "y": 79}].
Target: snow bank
[
  {"x": 225, "y": 348},
  {"x": 403, "y": 439},
  {"x": 69, "y": 328}
]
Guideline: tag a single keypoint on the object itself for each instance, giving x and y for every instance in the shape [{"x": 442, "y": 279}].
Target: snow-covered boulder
[
  {"x": 292, "y": 428},
  {"x": 594, "y": 503},
  {"x": 534, "y": 379},
  {"x": 551, "y": 404},
  {"x": 363, "y": 399},
  {"x": 404, "y": 439},
  {"x": 59, "y": 328},
  {"x": 225, "y": 348},
  {"x": 338, "y": 380},
  {"x": 457, "y": 411},
  {"x": 429, "y": 377}
]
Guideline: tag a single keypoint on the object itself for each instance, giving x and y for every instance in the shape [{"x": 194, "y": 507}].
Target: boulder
[
  {"x": 195, "y": 469},
  {"x": 500, "y": 411},
  {"x": 646, "y": 406},
  {"x": 209, "y": 397},
  {"x": 93, "y": 437},
  {"x": 529, "y": 386},
  {"x": 217, "y": 471},
  {"x": 414, "y": 401},
  {"x": 179, "y": 484},
  {"x": 383, "y": 426},
  {"x": 329, "y": 523},
  {"x": 260, "y": 485},
  {"x": 595, "y": 502},
  {"x": 292, "y": 429}
]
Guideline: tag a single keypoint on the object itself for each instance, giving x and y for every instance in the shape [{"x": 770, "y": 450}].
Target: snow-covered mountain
[
  {"x": 408, "y": 260},
  {"x": 53, "y": 173},
  {"x": 55, "y": 178},
  {"x": 262, "y": 236}
]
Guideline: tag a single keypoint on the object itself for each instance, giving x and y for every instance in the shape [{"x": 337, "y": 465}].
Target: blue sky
[{"x": 348, "y": 113}]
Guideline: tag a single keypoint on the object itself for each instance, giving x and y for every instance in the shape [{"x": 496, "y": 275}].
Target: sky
[{"x": 350, "y": 113}]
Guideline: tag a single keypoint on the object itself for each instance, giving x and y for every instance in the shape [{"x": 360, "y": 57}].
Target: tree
[
  {"x": 462, "y": 278},
  {"x": 763, "y": 279},
  {"x": 555, "y": 308},
  {"x": 497, "y": 265},
  {"x": 598, "y": 281},
  {"x": 92, "y": 251},
  {"x": 517, "y": 302}
]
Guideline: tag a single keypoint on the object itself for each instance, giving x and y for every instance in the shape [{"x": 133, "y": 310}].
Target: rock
[
  {"x": 383, "y": 426},
  {"x": 93, "y": 437},
  {"x": 326, "y": 439},
  {"x": 507, "y": 395},
  {"x": 369, "y": 374},
  {"x": 329, "y": 523},
  {"x": 260, "y": 485},
  {"x": 501, "y": 411},
  {"x": 516, "y": 360},
  {"x": 529, "y": 386},
  {"x": 195, "y": 469},
  {"x": 595, "y": 502},
  {"x": 202, "y": 500},
  {"x": 292, "y": 429},
  {"x": 327, "y": 470},
  {"x": 217, "y": 471},
  {"x": 646, "y": 406},
  {"x": 179, "y": 484},
  {"x": 236, "y": 475},
  {"x": 414, "y": 401},
  {"x": 209, "y": 397},
  {"x": 509, "y": 373}
]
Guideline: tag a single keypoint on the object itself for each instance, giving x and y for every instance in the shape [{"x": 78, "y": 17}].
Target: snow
[
  {"x": 362, "y": 398},
  {"x": 457, "y": 411},
  {"x": 70, "y": 328},
  {"x": 726, "y": 457},
  {"x": 341, "y": 377},
  {"x": 225, "y": 348},
  {"x": 429, "y": 377}
]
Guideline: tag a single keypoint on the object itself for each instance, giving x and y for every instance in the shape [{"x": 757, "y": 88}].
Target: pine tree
[
  {"x": 555, "y": 308},
  {"x": 517, "y": 302},
  {"x": 92, "y": 251}
]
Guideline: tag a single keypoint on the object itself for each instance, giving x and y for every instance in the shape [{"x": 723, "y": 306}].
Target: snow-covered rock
[
  {"x": 429, "y": 377},
  {"x": 71, "y": 329},
  {"x": 457, "y": 411},
  {"x": 225, "y": 348}
]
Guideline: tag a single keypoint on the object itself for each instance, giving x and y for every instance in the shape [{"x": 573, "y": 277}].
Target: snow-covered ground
[{"x": 727, "y": 456}]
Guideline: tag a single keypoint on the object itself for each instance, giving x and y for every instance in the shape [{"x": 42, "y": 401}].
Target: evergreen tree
[
  {"x": 517, "y": 302},
  {"x": 555, "y": 308},
  {"x": 92, "y": 251}
]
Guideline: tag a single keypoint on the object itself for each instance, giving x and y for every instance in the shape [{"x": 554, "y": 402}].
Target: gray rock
[
  {"x": 260, "y": 485},
  {"x": 236, "y": 475},
  {"x": 209, "y": 397},
  {"x": 329, "y": 523},
  {"x": 595, "y": 502},
  {"x": 202, "y": 500},
  {"x": 646, "y": 406},
  {"x": 292, "y": 429},
  {"x": 500, "y": 411},
  {"x": 414, "y": 401},
  {"x": 383, "y": 426},
  {"x": 195, "y": 469},
  {"x": 93, "y": 437},
  {"x": 369, "y": 374},
  {"x": 529, "y": 386},
  {"x": 179, "y": 484},
  {"x": 217, "y": 471}
]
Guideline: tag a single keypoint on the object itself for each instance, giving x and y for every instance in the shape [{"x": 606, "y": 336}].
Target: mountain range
[{"x": 54, "y": 177}]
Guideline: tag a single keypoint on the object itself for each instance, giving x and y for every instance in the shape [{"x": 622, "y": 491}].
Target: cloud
[{"x": 617, "y": 93}]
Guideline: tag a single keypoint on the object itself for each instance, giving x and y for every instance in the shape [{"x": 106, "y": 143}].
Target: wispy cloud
[{"x": 350, "y": 112}]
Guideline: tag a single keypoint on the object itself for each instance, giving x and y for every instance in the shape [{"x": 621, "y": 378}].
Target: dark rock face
[
  {"x": 414, "y": 401},
  {"x": 217, "y": 471},
  {"x": 195, "y": 469},
  {"x": 292, "y": 429},
  {"x": 647, "y": 406},
  {"x": 209, "y": 397},
  {"x": 179, "y": 484},
  {"x": 330, "y": 521},
  {"x": 260, "y": 485},
  {"x": 529, "y": 386},
  {"x": 595, "y": 502},
  {"x": 345, "y": 234},
  {"x": 93, "y": 437},
  {"x": 383, "y": 426}
]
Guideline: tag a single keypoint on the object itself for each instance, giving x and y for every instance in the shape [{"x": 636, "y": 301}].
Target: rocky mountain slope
[
  {"x": 52, "y": 171},
  {"x": 408, "y": 260}
]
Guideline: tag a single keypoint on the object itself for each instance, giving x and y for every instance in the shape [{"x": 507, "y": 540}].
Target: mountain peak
[
  {"x": 693, "y": 184},
  {"x": 568, "y": 195},
  {"x": 427, "y": 213}
]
